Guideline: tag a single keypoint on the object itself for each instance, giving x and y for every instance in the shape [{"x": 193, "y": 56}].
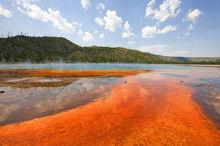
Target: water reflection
[{"x": 27, "y": 98}]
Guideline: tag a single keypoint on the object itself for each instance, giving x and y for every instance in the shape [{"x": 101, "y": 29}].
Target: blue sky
[{"x": 165, "y": 27}]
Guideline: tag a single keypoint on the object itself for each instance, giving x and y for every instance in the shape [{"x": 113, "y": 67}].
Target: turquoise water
[{"x": 88, "y": 66}]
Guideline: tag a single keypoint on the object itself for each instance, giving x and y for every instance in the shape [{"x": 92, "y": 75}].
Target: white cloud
[
  {"x": 49, "y": 15},
  {"x": 99, "y": 21},
  {"x": 100, "y": 7},
  {"x": 189, "y": 29},
  {"x": 85, "y": 4},
  {"x": 149, "y": 8},
  {"x": 77, "y": 23},
  {"x": 5, "y": 12},
  {"x": 102, "y": 36},
  {"x": 127, "y": 30},
  {"x": 87, "y": 37},
  {"x": 168, "y": 9},
  {"x": 111, "y": 21},
  {"x": 167, "y": 29},
  {"x": 151, "y": 31},
  {"x": 193, "y": 15}
]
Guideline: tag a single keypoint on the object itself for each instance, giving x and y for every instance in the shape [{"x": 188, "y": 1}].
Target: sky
[{"x": 165, "y": 27}]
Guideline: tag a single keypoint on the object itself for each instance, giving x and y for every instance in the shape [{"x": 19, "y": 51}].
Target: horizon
[{"x": 162, "y": 27}]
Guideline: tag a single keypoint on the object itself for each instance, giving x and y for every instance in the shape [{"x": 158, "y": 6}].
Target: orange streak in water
[
  {"x": 70, "y": 73},
  {"x": 141, "y": 111}
]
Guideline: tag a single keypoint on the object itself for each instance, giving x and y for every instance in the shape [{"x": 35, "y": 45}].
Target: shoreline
[{"x": 24, "y": 63}]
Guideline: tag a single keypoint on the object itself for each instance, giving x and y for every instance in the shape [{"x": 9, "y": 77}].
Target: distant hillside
[
  {"x": 107, "y": 54},
  {"x": 35, "y": 49},
  {"x": 19, "y": 49},
  {"x": 193, "y": 60}
]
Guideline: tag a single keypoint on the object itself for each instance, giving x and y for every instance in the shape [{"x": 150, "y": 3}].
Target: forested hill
[{"x": 19, "y": 49}]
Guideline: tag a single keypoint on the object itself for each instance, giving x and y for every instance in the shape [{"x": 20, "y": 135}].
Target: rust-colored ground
[
  {"x": 69, "y": 73},
  {"x": 139, "y": 111}
]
